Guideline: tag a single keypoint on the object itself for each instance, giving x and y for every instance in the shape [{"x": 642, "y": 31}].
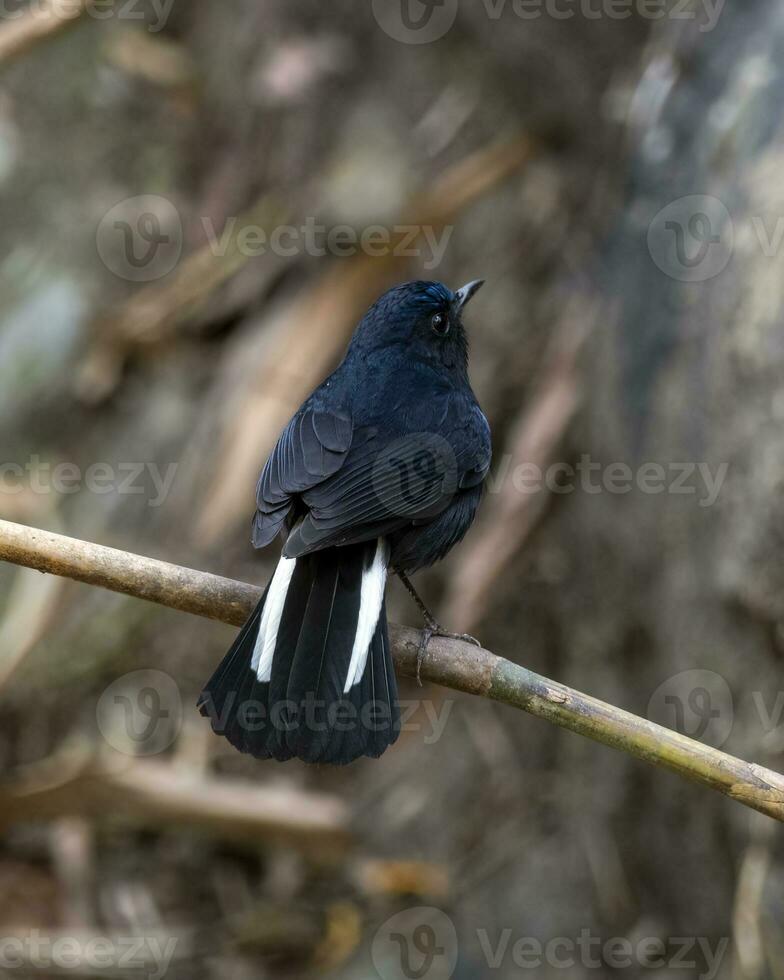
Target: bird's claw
[
  {"x": 427, "y": 634},
  {"x": 432, "y": 629}
]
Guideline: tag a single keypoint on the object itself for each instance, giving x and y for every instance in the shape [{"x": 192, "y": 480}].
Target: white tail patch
[
  {"x": 371, "y": 597},
  {"x": 261, "y": 662}
]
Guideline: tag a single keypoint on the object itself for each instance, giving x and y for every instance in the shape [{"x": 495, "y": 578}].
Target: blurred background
[{"x": 199, "y": 202}]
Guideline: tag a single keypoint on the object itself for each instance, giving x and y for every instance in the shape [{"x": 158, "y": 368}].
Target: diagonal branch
[
  {"x": 77, "y": 781},
  {"x": 38, "y": 22},
  {"x": 449, "y": 662}
]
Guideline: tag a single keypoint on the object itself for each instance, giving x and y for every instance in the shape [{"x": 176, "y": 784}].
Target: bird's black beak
[{"x": 464, "y": 294}]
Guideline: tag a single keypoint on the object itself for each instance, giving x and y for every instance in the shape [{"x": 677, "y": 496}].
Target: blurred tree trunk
[{"x": 627, "y": 591}]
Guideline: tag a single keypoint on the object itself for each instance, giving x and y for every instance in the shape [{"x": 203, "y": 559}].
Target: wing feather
[
  {"x": 311, "y": 448},
  {"x": 365, "y": 482},
  {"x": 388, "y": 483}
]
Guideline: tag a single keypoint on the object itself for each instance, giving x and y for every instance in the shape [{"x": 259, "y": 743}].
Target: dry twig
[
  {"x": 41, "y": 21},
  {"x": 79, "y": 782}
]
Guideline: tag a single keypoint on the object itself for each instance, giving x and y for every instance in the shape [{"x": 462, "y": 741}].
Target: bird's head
[{"x": 423, "y": 317}]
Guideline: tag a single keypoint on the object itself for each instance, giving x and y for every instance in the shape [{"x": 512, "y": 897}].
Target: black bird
[{"x": 382, "y": 467}]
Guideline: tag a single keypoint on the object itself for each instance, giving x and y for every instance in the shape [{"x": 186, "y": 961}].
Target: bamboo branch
[{"x": 448, "y": 662}]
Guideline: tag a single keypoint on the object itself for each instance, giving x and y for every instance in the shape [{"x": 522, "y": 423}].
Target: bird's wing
[
  {"x": 389, "y": 482},
  {"x": 312, "y": 447}
]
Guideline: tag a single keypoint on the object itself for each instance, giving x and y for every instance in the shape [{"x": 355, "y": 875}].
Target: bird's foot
[{"x": 433, "y": 628}]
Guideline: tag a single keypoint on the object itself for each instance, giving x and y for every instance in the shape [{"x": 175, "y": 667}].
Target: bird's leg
[
  {"x": 428, "y": 616},
  {"x": 432, "y": 626}
]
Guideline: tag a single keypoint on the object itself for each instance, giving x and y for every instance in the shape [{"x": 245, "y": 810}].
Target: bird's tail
[{"x": 310, "y": 674}]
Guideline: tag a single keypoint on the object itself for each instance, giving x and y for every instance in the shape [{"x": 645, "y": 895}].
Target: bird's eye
[{"x": 440, "y": 324}]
